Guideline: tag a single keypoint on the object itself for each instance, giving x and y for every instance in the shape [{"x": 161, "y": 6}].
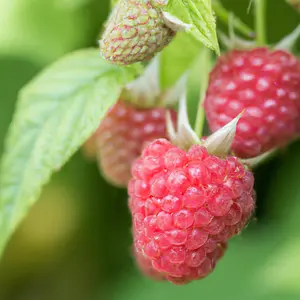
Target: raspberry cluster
[
  {"x": 185, "y": 207},
  {"x": 189, "y": 195},
  {"x": 187, "y": 202}
]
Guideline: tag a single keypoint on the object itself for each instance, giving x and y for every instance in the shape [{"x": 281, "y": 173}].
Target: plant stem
[
  {"x": 224, "y": 16},
  {"x": 260, "y": 22},
  {"x": 205, "y": 58}
]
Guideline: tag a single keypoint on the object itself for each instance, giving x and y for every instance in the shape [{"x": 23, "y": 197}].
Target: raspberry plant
[{"x": 62, "y": 107}]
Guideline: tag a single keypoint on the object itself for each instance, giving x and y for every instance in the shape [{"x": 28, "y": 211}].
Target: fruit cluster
[{"x": 189, "y": 195}]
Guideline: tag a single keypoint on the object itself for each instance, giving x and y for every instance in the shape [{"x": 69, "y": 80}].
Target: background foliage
[{"x": 75, "y": 243}]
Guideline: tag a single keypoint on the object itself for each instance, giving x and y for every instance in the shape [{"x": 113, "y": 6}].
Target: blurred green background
[{"x": 75, "y": 243}]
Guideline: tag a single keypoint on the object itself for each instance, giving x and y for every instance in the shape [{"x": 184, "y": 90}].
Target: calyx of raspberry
[
  {"x": 136, "y": 30},
  {"x": 233, "y": 41},
  {"x": 218, "y": 143},
  {"x": 146, "y": 92},
  {"x": 289, "y": 41},
  {"x": 174, "y": 23}
]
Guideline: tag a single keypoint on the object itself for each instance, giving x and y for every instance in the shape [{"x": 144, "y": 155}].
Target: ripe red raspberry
[
  {"x": 185, "y": 206},
  {"x": 121, "y": 136},
  {"x": 267, "y": 84}
]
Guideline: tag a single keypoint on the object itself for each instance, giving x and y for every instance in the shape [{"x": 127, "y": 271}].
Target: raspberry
[
  {"x": 266, "y": 84},
  {"x": 121, "y": 136},
  {"x": 185, "y": 206},
  {"x": 135, "y": 32}
]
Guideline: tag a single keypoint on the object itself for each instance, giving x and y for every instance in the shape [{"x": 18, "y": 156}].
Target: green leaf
[
  {"x": 55, "y": 114},
  {"x": 198, "y": 14},
  {"x": 174, "y": 62}
]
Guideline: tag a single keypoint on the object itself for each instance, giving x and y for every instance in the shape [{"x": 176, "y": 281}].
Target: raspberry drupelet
[{"x": 185, "y": 206}]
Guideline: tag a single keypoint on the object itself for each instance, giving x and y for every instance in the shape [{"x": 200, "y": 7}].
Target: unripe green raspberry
[{"x": 135, "y": 32}]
